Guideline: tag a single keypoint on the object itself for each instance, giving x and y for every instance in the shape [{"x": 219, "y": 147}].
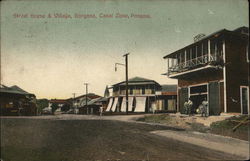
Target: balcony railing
[{"x": 194, "y": 63}]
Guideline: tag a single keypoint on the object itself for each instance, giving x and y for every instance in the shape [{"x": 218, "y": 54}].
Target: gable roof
[
  {"x": 14, "y": 90},
  {"x": 89, "y": 95},
  {"x": 137, "y": 81}
]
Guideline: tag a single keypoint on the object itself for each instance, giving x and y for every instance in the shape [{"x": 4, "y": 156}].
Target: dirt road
[{"x": 77, "y": 140}]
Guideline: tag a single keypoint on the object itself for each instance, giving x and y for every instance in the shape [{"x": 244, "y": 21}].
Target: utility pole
[
  {"x": 126, "y": 75},
  {"x": 86, "y": 97},
  {"x": 126, "y": 71}
]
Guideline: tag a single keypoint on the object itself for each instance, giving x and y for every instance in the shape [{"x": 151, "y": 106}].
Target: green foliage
[
  {"x": 65, "y": 107},
  {"x": 229, "y": 123},
  {"x": 54, "y": 106},
  {"x": 225, "y": 127},
  {"x": 41, "y": 104}
]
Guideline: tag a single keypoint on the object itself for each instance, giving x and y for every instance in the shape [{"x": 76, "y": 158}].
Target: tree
[
  {"x": 65, "y": 107},
  {"x": 54, "y": 106},
  {"x": 41, "y": 104}
]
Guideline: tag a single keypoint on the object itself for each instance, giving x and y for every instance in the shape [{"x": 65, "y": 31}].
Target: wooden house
[
  {"x": 16, "y": 101},
  {"x": 79, "y": 103},
  {"x": 144, "y": 95},
  {"x": 213, "y": 68}
]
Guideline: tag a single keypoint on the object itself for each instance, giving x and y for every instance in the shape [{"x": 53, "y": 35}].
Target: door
[
  {"x": 183, "y": 97},
  {"x": 244, "y": 100},
  {"x": 214, "y": 98}
]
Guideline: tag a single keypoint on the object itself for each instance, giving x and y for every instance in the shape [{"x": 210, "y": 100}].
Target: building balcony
[{"x": 198, "y": 63}]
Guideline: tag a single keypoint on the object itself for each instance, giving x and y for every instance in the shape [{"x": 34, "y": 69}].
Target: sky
[{"x": 53, "y": 57}]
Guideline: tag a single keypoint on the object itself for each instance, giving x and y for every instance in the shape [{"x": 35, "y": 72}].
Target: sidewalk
[{"x": 211, "y": 141}]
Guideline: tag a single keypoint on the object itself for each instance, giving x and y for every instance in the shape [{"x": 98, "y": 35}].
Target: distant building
[
  {"x": 79, "y": 103},
  {"x": 169, "y": 98},
  {"x": 59, "y": 102},
  {"x": 145, "y": 95},
  {"x": 214, "y": 68},
  {"x": 16, "y": 101}
]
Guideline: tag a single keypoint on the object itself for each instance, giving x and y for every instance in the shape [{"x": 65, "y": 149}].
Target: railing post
[{"x": 185, "y": 58}]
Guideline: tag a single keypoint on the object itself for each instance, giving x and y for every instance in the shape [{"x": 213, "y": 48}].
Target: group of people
[{"x": 202, "y": 109}]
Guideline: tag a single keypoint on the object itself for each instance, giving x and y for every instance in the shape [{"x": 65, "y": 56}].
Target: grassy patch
[{"x": 225, "y": 128}]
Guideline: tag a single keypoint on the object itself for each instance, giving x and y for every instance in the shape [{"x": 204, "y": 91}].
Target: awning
[
  {"x": 110, "y": 104},
  {"x": 140, "y": 104},
  {"x": 123, "y": 106},
  {"x": 130, "y": 103},
  {"x": 114, "y": 104}
]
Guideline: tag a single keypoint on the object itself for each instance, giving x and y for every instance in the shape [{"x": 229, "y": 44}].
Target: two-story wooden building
[
  {"x": 214, "y": 68},
  {"x": 144, "y": 95}
]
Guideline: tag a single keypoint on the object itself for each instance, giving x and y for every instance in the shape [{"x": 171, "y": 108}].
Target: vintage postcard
[{"x": 134, "y": 80}]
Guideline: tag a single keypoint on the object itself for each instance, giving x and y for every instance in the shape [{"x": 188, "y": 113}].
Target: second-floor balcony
[{"x": 212, "y": 59}]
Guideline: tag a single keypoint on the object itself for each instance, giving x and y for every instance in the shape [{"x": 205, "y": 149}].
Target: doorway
[{"x": 198, "y": 94}]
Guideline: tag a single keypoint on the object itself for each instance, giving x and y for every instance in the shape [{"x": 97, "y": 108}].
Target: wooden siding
[
  {"x": 236, "y": 71},
  {"x": 201, "y": 78}
]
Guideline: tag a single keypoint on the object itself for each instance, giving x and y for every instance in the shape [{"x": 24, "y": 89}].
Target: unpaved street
[{"x": 94, "y": 139}]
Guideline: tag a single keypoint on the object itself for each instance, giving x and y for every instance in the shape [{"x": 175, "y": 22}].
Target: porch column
[
  {"x": 185, "y": 58},
  {"x": 224, "y": 76},
  {"x": 202, "y": 52},
  {"x": 196, "y": 49},
  {"x": 180, "y": 58},
  {"x": 191, "y": 53},
  {"x": 209, "y": 51},
  {"x": 215, "y": 49}
]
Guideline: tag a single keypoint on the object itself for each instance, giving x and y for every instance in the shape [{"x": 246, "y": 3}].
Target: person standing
[
  {"x": 205, "y": 107},
  {"x": 101, "y": 110}
]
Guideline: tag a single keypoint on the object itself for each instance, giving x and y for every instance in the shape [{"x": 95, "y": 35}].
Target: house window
[
  {"x": 131, "y": 91},
  {"x": 143, "y": 90}
]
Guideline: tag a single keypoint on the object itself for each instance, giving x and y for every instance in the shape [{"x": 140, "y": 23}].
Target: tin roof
[
  {"x": 14, "y": 90},
  {"x": 137, "y": 81}
]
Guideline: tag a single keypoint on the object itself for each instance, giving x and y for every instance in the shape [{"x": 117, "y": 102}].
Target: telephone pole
[
  {"x": 126, "y": 66},
  {"x": 86, "y": 97},
  {"x": 126, "y": 75}
]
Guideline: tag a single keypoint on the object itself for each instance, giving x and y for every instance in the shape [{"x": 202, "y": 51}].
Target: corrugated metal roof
[
  {"x": 14, "y": 90},
  {"x": 137, "y": 81},
  {"x": 90, "y": 95}
]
